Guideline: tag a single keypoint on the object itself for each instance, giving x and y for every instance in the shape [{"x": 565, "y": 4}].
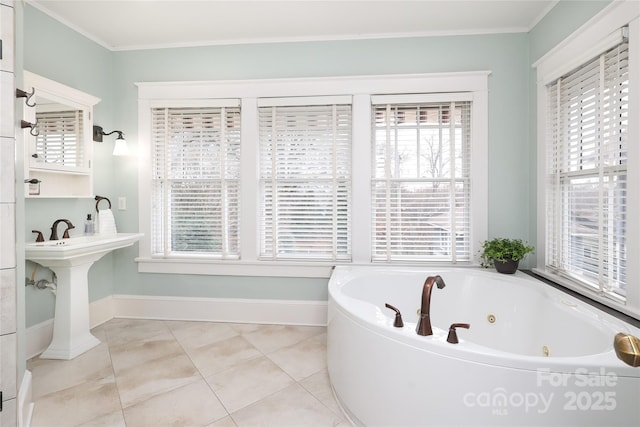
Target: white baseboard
[
  {"x": 286, "y": 312},
  {"x": 283, "y": 312},
  {"x": 25, "y": 401},
  {"x": 101, "y": 311},
  {"x": 38, "y": 337}
]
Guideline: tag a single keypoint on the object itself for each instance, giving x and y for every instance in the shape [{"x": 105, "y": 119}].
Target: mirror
[
  {"x": 59, "y": 139},
  {"x": 58, "y": 148}
]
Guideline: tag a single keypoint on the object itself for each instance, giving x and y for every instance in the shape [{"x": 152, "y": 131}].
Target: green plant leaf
[{"x": 502, "y": 249}]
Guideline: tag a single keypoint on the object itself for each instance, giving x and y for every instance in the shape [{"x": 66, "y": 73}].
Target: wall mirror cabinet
[{"x": 58, "y": 148}]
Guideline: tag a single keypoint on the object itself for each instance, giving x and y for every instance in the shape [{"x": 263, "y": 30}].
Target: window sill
[
  {"x": 261, "y": 268},
  {"x": 604, "y": 299},
  {"x": 235, "y": 268}
]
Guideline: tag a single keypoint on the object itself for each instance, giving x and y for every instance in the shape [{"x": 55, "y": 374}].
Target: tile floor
[{"x": 170, "y": 373}]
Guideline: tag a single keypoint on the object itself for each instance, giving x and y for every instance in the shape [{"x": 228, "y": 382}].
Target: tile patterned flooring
[{"x": 171, "y": 373}]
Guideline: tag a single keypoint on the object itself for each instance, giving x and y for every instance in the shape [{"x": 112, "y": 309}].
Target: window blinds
[
  {"x": 587, "y": 178},
  {"x": 59, "y": 139},
  {"x": 195, "y": 190},
  {"x": 305, "y": 179},
  {"x": 421, "y": 181}
]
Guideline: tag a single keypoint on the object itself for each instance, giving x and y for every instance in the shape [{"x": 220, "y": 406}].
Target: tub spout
[{"x": 424, "y": 322}]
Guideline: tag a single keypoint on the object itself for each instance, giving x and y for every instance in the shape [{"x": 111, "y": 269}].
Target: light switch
[{"x": 122, "y": 203}]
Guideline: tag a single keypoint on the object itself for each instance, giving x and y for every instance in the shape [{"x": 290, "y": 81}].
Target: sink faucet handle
[
  {"x": 39, "y": 237},
  {"x": 453, "y": 336},
  {"x": 70, "y": 226},
  {"x": 398, "y": 323}
]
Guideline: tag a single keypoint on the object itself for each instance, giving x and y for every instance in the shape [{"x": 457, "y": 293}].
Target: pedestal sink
[{"x": 71, "y": 259}]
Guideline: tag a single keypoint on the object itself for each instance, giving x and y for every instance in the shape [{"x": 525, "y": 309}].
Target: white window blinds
[
  {"x": 195, "y": 188},
  {"x": 59, "y": 141},
  {"x": 587, "y": 172},
  {"x": 421, "y": 181},
  {"x": 305, "y": 179}
]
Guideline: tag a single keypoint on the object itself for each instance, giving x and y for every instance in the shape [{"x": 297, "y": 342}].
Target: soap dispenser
[{"x": 89, "y": 226}]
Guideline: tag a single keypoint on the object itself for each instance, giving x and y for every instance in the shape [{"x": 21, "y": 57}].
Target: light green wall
[
  {"x": 559, "y": 23},
  {"x": 506, "y": 56},
  {"x": 112, "y": 76},
  {"x": 59, "y": 53}
]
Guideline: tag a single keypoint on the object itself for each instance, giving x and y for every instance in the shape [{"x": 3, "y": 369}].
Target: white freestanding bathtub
[{"x": 532, "y": 356}]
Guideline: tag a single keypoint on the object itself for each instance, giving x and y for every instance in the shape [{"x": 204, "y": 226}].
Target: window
[
  {"x": 421, "y": 181},
  {"x": 287, "y": 177},
  {"x": 587, "y": 217},
  {"x": 59, "y": 141},
  {"x": 305, "y": 180},
  {"x": 195, "y": 189},
  {"x": 589, "y": 160}
]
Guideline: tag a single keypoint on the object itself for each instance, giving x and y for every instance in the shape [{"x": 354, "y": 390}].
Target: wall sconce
[{"x": 120, "y": 148}]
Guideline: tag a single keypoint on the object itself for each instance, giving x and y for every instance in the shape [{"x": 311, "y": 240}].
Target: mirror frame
[{"x": 66, "y": 95}]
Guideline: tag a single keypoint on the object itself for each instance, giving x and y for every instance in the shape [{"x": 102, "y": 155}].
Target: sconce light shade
[{"x": 120, "y": 148}]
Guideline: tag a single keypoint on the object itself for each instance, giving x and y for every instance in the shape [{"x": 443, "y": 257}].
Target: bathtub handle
[
  {"x": 627, "y": 349},
  {"x": 398, "y": 323},
  {"x": 453, "y": 336}
]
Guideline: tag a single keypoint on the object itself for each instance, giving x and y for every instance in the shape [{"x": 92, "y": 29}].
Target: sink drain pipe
[{"x": 42, "y": 283}]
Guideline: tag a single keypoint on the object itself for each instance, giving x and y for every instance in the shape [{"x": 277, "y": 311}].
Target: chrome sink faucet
[
  {"x": 424, "y": 322},
  {"x": 54, "y": 229}
]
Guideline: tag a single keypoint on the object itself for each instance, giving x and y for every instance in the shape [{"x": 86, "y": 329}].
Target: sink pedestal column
[
  {"x": 71, "y": 336},
  {"x": 71, "y": 260}
]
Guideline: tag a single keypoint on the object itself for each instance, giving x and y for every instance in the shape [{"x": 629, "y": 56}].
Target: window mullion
[
  {"x": 224, "y": 234},
  {"x": 602, "y": 245},
  {"x": 388, "y": 182},
  {"x": 419, "y": 142},
  {"x": 249, "y": 182},
  {"x": 166, "y": 185},
  {"x": 561, "y": 199},
  {"x": 452, "y": 182},
  {"x": 274, "y": 185},
  {"x": 334, "y": 167}
]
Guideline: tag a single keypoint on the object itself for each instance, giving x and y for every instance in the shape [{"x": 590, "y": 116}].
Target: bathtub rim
[{"x": 476, "y": 353}]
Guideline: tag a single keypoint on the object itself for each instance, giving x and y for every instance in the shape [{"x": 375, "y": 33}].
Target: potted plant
[{"x": 504, "y": 254}]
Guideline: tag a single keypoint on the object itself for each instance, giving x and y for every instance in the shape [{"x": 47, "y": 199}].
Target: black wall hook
[
  {"x": 22, "y": 94},
  {"x": 34, "y": 127}
]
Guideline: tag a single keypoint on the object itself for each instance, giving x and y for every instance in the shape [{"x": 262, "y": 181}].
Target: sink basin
[
  {"x": 70, "y": 259},
  {"x": 77, "y": 250}
]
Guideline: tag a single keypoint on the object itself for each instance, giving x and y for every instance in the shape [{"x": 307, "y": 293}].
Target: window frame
[
  {"x": 461, "y": 175},
  {"x": 583, "y": 45},
  {"x": 275, "y": 146},
  {"x": 361, "y": 88},
  {"x": 166, "y": 178}
]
